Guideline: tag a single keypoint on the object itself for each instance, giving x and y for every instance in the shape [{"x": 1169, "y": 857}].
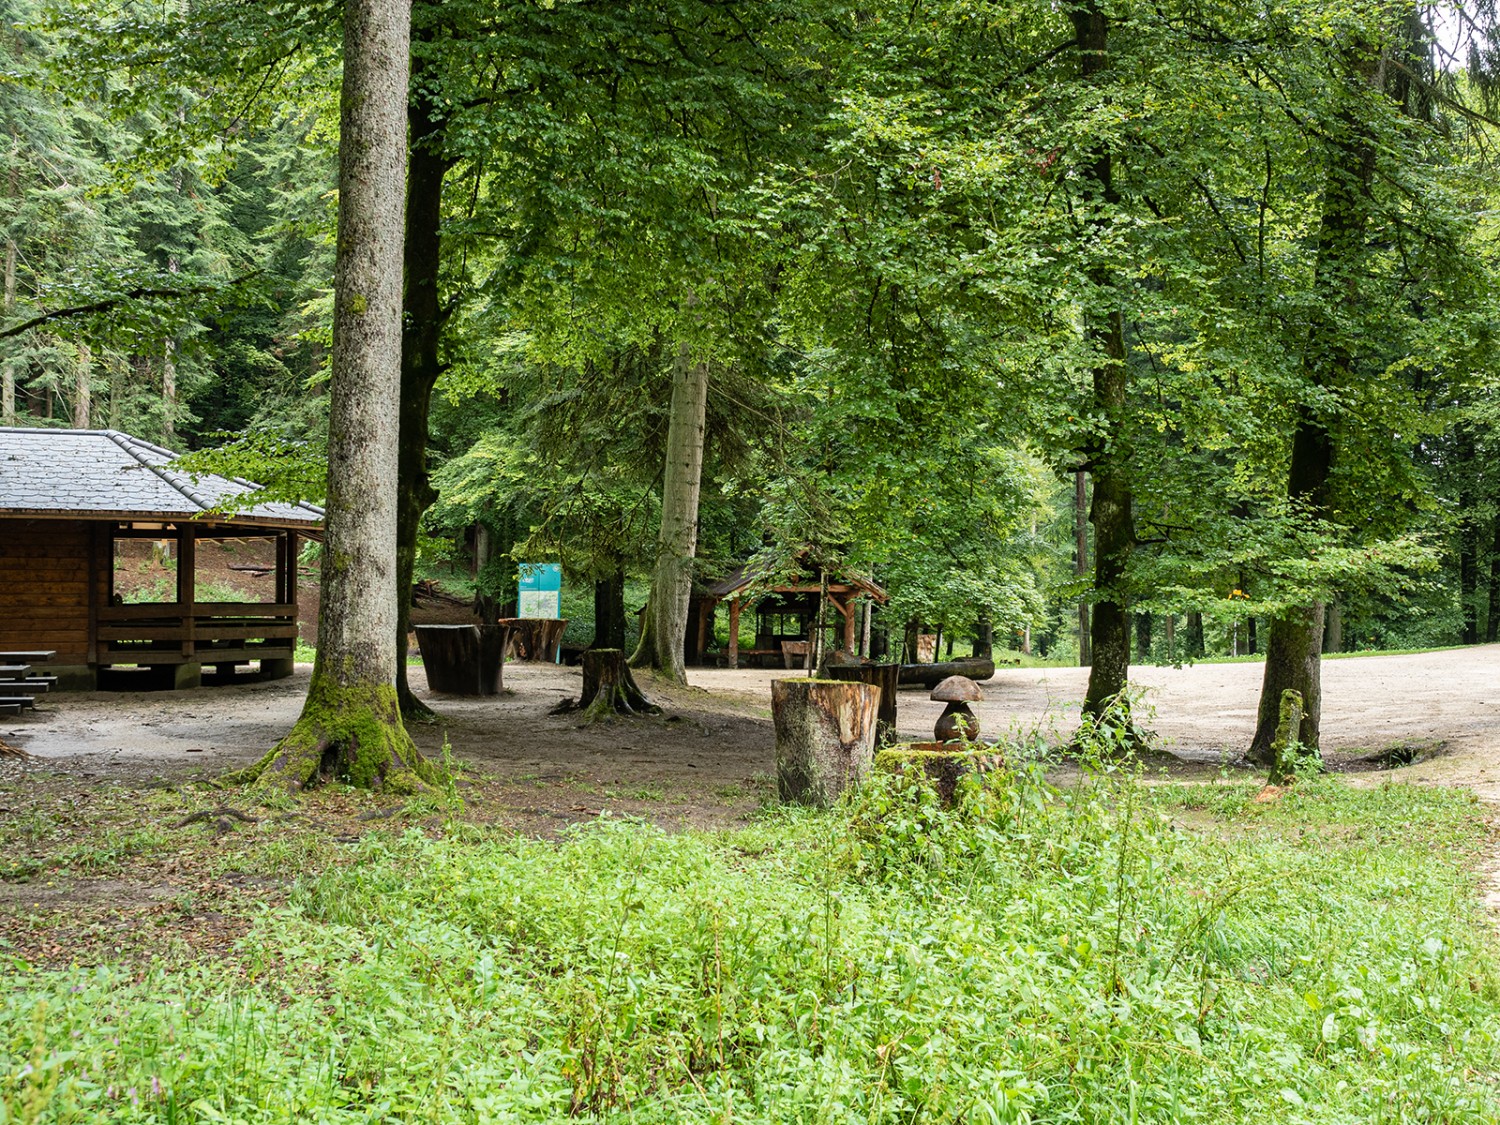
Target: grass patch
[{"x": 1032, "y": 955}]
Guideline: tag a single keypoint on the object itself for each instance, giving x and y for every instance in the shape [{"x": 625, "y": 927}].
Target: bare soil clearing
[{"x": 1443, "y": 707}]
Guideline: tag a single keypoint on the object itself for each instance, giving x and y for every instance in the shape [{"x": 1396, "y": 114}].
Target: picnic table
[{"x": 18, "y": 687}]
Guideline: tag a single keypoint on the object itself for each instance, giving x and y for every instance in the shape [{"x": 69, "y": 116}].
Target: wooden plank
[
  {"x": 35, "y": 656},
  {"x": 137, "y": 610},
  {"x": 202, "y": 633}
]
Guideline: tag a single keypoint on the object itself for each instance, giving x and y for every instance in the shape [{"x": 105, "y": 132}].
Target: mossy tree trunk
[{"x": 350, "y": 727}]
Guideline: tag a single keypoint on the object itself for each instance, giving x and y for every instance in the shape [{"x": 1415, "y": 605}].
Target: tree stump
[
  {"x": 944, "y": 764},
  {"x": 825, "y": 738},
  {"x": 536, "y": 638},
  {"x": 883, "y": 677},
  {"x": 463, "y": 659},
  {"x": 1286, "y": 749},
  {"x": 608, "y": 688}
]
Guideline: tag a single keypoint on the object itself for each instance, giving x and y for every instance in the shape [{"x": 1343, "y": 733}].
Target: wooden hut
[
  {"x": 69, "y": 498},
  {"x": 786, "y": 613}
]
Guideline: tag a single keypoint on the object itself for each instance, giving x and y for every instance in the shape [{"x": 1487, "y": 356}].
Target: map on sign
[{"x": 540, "y": 590}]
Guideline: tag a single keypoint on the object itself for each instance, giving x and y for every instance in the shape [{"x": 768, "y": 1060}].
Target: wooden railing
[{"x": 205, "y": 632}]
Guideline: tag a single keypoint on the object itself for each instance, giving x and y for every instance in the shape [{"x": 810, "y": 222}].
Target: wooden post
[
  {"x": 846, "y": 606},
  {"x": 291, "y": 571},
  {"x": 187, "y": 582},
  {"x": 825, "y": 738},
  {"x": 734, "y": 632}
]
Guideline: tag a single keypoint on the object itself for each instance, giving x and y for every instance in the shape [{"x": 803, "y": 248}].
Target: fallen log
[{"x": 978, "y": 669}]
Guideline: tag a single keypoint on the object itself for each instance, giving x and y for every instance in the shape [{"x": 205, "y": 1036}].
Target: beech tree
[{"x": 351, "y": 725}]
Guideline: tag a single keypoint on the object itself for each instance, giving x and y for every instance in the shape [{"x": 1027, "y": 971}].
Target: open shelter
[
  {"x": 70, "y": 498},
  {"x": 785, "y": 614}
]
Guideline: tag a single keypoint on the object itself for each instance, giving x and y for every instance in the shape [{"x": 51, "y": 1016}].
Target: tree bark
[
  {"x": 609, "y": 611},
  {"x": 1081, "y": 560},
  {"x": 169, "y": 367},
  {"x": 1492, "y": 625},
  {"x": 350, "y": 725},
  {"x": 665, "y": 634},
  {"x": 882, "y": 677},
  {"x": 422, "y": 321},
  {"x": 1194, "y": 643},
  {"x": 825, "y": 738},
  {"x": 608, "y": 688},
  {"x": 1468, "y": 536},
  {"x": 1112, "y": 509},
  {"x": 1295, "y": 642},
  {"x": 7, "y": 369},
  {"x": 83, "y": 398},
  {"x": 1333, "y": 628}
]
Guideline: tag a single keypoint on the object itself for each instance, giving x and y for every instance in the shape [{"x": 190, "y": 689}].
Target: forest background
[{"x": 1128, "y": 334}]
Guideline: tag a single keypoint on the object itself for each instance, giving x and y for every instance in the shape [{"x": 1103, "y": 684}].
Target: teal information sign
[{"x": 540, "y": 590}]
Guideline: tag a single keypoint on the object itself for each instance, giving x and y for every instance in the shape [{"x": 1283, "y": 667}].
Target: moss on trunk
[{"x": 351, "y": 734}]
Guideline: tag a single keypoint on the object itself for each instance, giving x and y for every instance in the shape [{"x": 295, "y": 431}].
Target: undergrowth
[{"x": 1113, "y": 951}]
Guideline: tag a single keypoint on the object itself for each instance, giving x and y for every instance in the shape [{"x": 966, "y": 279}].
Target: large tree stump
[
  {"x": 825, "y": 737},
  {"x": 463, "y": 659},
  {"x": 883, "y": 677},
  {"x": 608, "y": 688},
  {"x": 535, "y": 638}
]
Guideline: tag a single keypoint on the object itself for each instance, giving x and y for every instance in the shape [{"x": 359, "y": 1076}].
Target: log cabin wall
[{"x": 45, "y": 570}]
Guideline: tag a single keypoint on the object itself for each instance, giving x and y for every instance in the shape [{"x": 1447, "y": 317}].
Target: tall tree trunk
[
  {"x": 169, "y": 369},
  {"x": 1295, "y": 643},
  {"x": 662, "y": 640},
  {"x": 83, "y": 395},
  {"x": 1492, "y": 624},
  {"x": 422, "y": 323},
  {"x": 1333, "y": 627},
  {"x": 1112, "y": 509},
  {"x": 351, "y": 726},
  {"x": 1468, "y": 535},
  {"x": 7, "y": 369},
  {"x": 609, "y": 611},
  {"x": 1081, "y": 559},
  {"x": 1143, "y": 625},
  {"x": 1194, "y": 643}
]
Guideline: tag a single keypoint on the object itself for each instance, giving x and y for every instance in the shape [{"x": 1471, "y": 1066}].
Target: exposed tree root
[
  {"x": 608, "y": 689},
  {"x": 9, "y": 751},
  {"x": 223, "y": 819},
  {"x": 351, "y": 734}
]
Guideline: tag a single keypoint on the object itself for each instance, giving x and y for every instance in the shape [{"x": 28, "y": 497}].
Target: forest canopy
[{"x": 1117, "y": 333}]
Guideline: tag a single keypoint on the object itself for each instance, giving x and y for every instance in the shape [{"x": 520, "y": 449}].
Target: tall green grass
[{"x": 1033, "y": 955}]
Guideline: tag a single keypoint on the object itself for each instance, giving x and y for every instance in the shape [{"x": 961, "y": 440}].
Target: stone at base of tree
[
  {"x": 825, "y": 738},
  {"x": 883, "y": 677},
  {"x": 463, "y": 659},
  {"x": 942, "y": 763},
  {"x": 1286, "y": 750},
  {"x": 608, "y": 688},
  {"x": 346, "y": 733}
]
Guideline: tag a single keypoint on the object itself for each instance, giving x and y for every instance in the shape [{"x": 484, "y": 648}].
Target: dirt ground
[{"x": 1442, "y": 708}]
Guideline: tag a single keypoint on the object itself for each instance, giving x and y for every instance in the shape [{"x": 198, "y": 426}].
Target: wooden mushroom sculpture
[{"x": 957, "y": 721}]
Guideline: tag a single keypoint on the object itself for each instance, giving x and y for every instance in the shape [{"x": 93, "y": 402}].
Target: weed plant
[{"x": 1109, "y": 952}]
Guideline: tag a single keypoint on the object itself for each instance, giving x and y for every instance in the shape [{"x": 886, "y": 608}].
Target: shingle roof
[{"x": 105, "y": 474}]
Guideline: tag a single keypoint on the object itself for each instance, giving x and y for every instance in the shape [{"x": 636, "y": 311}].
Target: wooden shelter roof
[
  {"x": 741, "y": 578},
  {"x": 105, "y": 475}
]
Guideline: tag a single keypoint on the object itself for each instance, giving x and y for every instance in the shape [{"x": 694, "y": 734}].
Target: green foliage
[{"x": 1037, "y": 954}]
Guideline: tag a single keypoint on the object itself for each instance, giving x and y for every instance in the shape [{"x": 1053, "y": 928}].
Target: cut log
[
  {"x": 882, "y": 677},
  {"x": 942, "y": 763},
  {"x": 977, "y": 669},
  {"x": 825, "y": 738},
  {"x": 463, "y": 659},
  {"x": 535, "y": 638},
  {"x": 608, "y": 688}
]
